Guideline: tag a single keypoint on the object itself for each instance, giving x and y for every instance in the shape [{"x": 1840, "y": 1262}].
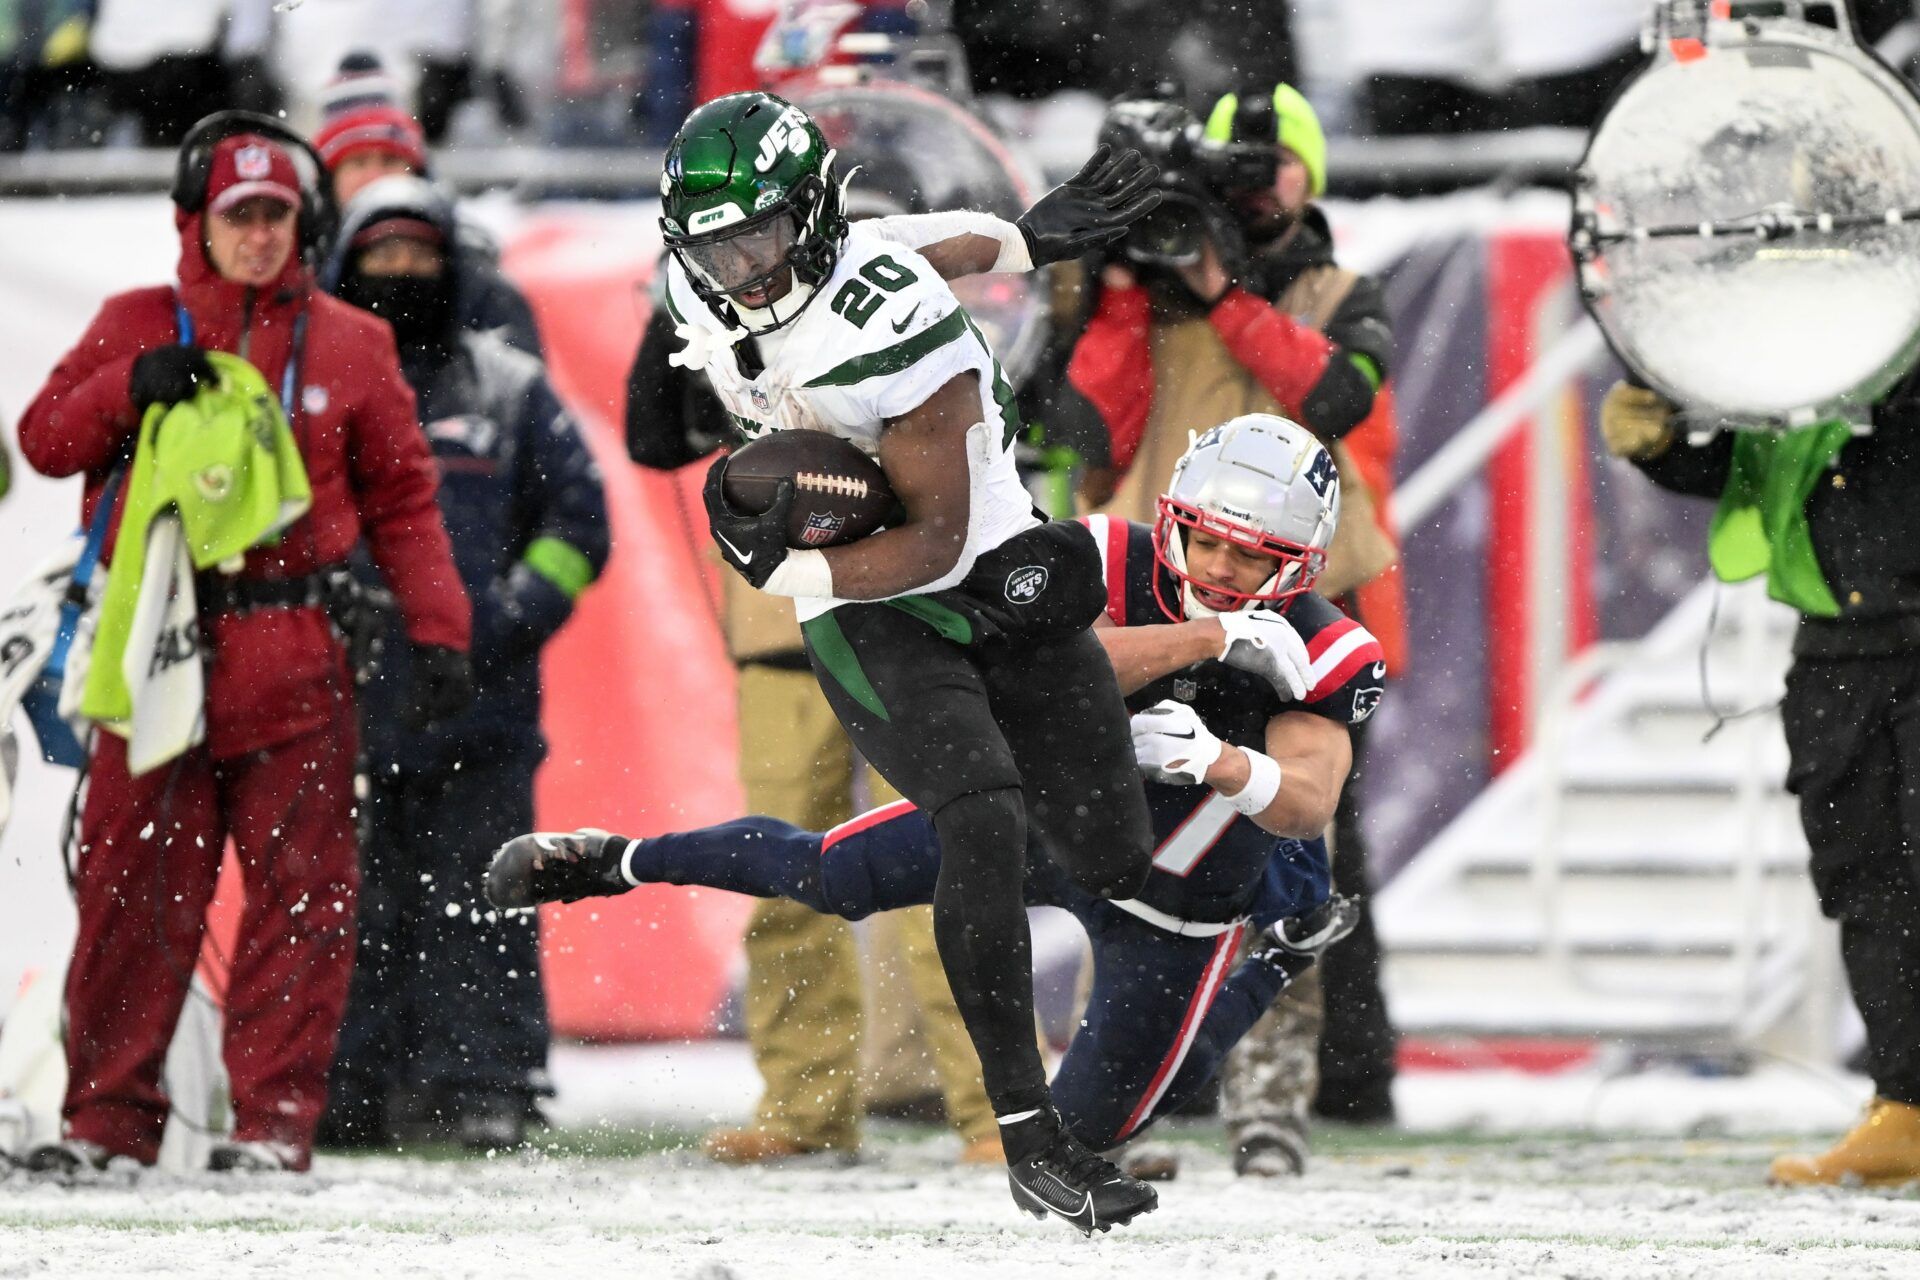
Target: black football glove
[
  {"x": 753, "y": 546},
  {"x": 1093, "y": 207},
  {"x": 168, "y": 375},
  {"x": 442, "y": 685}
]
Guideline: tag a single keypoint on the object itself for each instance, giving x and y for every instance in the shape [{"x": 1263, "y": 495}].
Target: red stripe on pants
[
  {"x": 150, "y": 855},
  {"x": 1215, "y": 974}
]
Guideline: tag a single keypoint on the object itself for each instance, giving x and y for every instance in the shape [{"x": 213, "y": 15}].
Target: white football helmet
[{"x": 1262, "y": 483}]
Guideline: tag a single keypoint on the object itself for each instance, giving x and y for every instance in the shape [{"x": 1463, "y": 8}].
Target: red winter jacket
[{"x": 275, "y": 672}]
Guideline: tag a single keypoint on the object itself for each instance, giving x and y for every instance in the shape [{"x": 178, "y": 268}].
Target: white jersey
[{"x": 882, "y": 335}]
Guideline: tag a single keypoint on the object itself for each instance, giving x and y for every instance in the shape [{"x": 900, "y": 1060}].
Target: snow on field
[
  {"x": 1601, "y": 1208},
  {"x": 1581, "y": 1195}
]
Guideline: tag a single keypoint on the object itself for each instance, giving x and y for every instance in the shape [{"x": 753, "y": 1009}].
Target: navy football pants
[{"x": 1164, "y": 1009}]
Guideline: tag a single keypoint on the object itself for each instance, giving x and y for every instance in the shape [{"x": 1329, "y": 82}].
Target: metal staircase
[{"x": 1625, "y": 879}]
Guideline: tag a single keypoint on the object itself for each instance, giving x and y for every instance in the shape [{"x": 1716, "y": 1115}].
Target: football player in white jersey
[{"x": 953, "y": 645}]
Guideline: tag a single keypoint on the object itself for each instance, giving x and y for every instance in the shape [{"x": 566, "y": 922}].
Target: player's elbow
[{"x": 1304, "y": 808}]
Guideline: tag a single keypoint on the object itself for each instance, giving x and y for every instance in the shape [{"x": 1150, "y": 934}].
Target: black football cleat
[
  {"x": 557, "y": 866},
  {"x": 1071, "y": 1182},
  {"x": 1313, "y": 933}
]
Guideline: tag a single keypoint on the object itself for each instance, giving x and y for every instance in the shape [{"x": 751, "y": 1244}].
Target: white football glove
[
  {"x": 1266, "y": 645},
  {"x": 1172, "y": 745}
]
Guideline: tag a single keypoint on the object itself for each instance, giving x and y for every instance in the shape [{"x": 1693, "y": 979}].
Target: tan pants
[{"x": 805, "y": 1017}]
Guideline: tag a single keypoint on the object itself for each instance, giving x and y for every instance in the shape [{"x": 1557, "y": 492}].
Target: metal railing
[{"x": 1765, "y": 974}]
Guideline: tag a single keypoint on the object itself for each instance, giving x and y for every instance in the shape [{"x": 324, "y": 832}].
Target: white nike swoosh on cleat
[{"x": 744, "y": 557}]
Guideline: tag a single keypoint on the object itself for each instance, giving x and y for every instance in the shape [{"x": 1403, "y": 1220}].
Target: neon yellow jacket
[{"x": 227, "y": 462}]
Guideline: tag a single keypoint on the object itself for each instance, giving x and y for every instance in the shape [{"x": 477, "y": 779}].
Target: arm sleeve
[
  {"x": 1699, "y": 471},
  {"x": 1312, "y": 376},
  {"x": 1348, "y": 671},
  {"x": 673, "y": 417},
  {"x": 395, "y": 480},
  {"x": 1112, "y": 370},
  {"x": 84, "y": 415},
  {"x": 918, "y": 230}
]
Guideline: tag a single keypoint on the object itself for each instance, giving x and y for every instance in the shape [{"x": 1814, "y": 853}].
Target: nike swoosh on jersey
[
  {"x": 744, "y": 557},
  {"x": 902, "y": 326}
]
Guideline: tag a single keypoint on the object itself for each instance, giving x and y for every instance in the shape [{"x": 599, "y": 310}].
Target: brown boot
[
  {"x": 1883, "y": 1150},
  {"x": 754, "y": 1145}
]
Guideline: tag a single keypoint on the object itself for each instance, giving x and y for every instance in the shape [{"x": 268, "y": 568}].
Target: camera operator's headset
[{"x": 319, "y": 212}]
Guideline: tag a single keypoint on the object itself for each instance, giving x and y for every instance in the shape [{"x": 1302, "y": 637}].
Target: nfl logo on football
[{"x": 821, "y": 528}]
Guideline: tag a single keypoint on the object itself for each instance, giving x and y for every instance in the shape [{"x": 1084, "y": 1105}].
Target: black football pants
[
  {"x": 1005, "y": 746},
  {"x": 1853, "y": 735}
]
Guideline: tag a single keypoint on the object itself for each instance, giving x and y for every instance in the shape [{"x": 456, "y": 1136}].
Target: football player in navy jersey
[{"x": 1242, "y": 685}]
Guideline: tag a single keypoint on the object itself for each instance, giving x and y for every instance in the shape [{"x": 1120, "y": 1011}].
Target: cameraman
[{"x": 1223, "y": 301}]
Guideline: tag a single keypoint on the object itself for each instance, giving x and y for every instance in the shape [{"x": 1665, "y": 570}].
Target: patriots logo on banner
[
  {"x": 252, "y": 162},
  {"x": 821, "y": 528}
]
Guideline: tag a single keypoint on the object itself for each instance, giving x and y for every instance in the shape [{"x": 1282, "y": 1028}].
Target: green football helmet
[{"x": 747, "y": 192}]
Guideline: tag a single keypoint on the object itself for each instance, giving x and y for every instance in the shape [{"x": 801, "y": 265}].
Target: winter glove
[
  {"x": 518, "y": 613},
  {"x": 1092, "y": 208},
  {"x": 442, "y": 685},
  {"x": 1266, "y": 645},
  {"x": 1172, "y": 745},
  {"x": 1636, "y": 422},
  {"x": 752, "y": 545},
  {"x": 556, "y": 866},
  {"x": 168, "y": 375}
]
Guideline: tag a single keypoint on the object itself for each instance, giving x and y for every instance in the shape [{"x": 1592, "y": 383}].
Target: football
[{"x": 840, "y": 494}]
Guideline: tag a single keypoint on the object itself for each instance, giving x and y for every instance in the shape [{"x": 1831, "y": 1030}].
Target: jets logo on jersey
[
  {"x": 1024, "y": 585},
  {"x": 789, "y": 133}
]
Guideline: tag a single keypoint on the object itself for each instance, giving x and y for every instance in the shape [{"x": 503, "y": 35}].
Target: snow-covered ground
[{"x": 1586, "y": 1174}]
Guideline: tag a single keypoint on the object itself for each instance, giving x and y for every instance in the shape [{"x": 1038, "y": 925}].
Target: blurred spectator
[
  {"x": 698, "y": 50},
  {"x": 168, "y": 65},
  {"x": 364, "y": 135},
  {"x": 275, "y": 772},
  {"x": 443, "y": 53},
  {"x": 1234, "y": 305},
  {"x": 1463, "y": 66},
  {"x": 446, "y": 1020},
  {"x": 48, "y": 82},
  {"x": 1038, "y": 48}
]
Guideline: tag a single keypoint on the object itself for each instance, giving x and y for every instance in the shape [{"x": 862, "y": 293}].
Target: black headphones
[{"x": 319, "y": 213}]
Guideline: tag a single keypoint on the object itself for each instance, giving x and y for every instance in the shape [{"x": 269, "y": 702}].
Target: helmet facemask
[
  {"x": 801, "y": 234},
  {"x": 1296, "y": 566}
]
